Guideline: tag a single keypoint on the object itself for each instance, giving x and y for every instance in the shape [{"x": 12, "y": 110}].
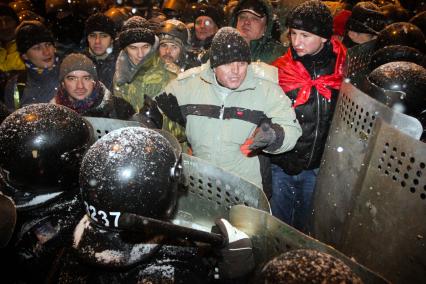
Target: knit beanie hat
[
  {"x": 135, "y": 22},
  {"x": 313, "y": 17},
  {"x": 30, "y": 33},
  {"x": 228, "y": 46},
  {"x": 134, "y": 35},
  {"x": 77, "y": 62},
  {"x": 211, "y": 11},
  {"x": 100, "y": 23},
  {"x": 366, "y": 18}
]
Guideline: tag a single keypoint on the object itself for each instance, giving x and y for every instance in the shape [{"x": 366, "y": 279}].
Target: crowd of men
[{"x": 246, "y": 85}]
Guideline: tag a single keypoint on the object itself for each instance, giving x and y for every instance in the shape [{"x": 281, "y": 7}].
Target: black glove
[
  {"x": 149, "y": 114},
  {"x": 263, "y": 136},
  {"x": 237, "y": 255}
]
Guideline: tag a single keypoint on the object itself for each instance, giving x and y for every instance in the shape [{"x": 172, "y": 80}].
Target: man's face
[
  {"x": 231, "y": 75},
  {"x": 99, "y": 42},
  {"x": 41, "y": 55},
  {"x": 205, "y": 27},
  {"x": 169, "y": 52},
  {"x": 250, "y": 26},
  {"x": 137, "y": 51},
  {"x": 360, "y": 38},
  {"x": 78, "y": 84},
  {"x": 306, "y": 43}
]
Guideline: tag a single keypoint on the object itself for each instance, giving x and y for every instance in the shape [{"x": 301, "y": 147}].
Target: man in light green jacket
[{"x": 232, "y": 110}]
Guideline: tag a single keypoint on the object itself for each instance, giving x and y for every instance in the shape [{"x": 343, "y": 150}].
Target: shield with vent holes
[{"x": 345, "y": 158}]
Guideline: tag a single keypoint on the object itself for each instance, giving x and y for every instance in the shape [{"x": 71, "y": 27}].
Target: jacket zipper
[
  {"x": 222, "y": 109},
  {"x": 317, "y": 125}
]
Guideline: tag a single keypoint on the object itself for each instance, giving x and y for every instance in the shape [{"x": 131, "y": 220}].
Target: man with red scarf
[{"x": 310, "y": 73}]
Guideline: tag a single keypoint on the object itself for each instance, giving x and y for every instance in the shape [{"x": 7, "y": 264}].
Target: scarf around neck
[
  {"x": 293, "y": 75},
  {"x": 80, "y": 106}
]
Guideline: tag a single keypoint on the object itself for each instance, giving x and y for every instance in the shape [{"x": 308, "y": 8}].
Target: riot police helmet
[
  {"x": 131, "y": 170},
  {"x": 404, "y": 86},
  {"x": 420, "y": 21},
  {"x": 393, "y": 53},
  {"x": 401, "y": 33},
  {"x": 41, "y": 148}
]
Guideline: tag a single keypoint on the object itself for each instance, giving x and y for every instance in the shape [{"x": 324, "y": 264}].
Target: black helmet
[
  {"x": 52, "y": 7},
  {"x": 401, "y": 34},
  {"x": 393, "y": 53},
  {"x": 395, "y": 13},
  {"x": 174, "y": 29},
  {"x": 130, "y": 170},
  {"x": 23, "y": 5},
  {"x": 403, "y": 84},
  {"x": 41, "y": 148},
  {"x": 119, "y": 15},
  {"x": 381, "y": 3}
]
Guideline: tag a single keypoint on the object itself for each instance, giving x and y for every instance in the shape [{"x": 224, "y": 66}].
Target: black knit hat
[
  {"x": 211, "y": 11},
  {"x": 228, "y": 46},
  {"x": 366, "y": 18},
  {"x": 77, "y": 61},
  {"x": 100, "y": 23},
  {"x": 30, "y": 33},
  {"x": 130, "y": 36},
  {"x": 313, "y": 17}
]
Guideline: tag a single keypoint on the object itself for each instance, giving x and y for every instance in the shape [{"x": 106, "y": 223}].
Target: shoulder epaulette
[{"x": 265, "y": 71}]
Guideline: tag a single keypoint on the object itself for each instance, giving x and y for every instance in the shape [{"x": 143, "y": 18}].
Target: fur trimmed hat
[
  {"x": 77, "y": 61},
  {"x": 134, "y": 35},
  {"x": 366, "y": 18},
  {"x": 313, "y": 17},
  {"x": 30, "y": 33},
  {"x": 100, "y": 23},
  {"x": 228, "y": 46}
]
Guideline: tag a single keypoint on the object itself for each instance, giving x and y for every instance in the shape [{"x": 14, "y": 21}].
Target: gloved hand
[
  {"x": 237, "y": 255},
  {"x": 262, "y": 137},
  {"x": 149, "y": 115}
]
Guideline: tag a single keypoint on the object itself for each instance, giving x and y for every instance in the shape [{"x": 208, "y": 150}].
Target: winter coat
[
  {"x": 39, "y": 86},
  {"x": 217, "y": 125},
  {"x": 314, "y": 115},
  {"x": 103, "y": 104},
  {"x": 10, "y": 58},
  {"x": 149, "y": 77},
  {"x": 266, "y": 48},
  {"x": 105, "y": 67}
]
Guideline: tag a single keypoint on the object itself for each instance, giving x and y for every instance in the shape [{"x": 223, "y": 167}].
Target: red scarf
[{"x": 292, "y": 75}]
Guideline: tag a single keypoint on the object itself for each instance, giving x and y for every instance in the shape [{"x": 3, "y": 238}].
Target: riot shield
[
  {"x": 271, "y": 237},
  {"x": 344, "y": 158},
  {"x": 387, "y": 230},
  {"x": 357, "y": 62}
]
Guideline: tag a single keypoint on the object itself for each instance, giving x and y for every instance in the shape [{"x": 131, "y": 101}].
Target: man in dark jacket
[
  {"x": 81, "y": 90},
  {"x": 310, "y": 73},
  {"x": 38, "y": 83},
  {"x": 100, "y": 32}
]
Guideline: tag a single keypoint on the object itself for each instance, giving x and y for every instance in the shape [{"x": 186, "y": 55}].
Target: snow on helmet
[
  {"x": 404, "y": 86},
  {"x": 41, "y": 148},
  {"x": 130, "y": 170},
  {"x": 393, "y": 53},
  {"x": 401, "y": 33}
]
